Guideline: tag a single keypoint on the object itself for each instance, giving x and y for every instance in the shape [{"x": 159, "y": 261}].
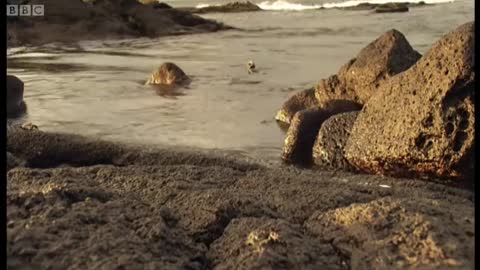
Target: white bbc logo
[{"x": 25, "y": 10}]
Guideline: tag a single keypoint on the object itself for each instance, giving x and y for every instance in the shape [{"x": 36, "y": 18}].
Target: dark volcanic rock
[
  {"x": 328, "y": 149},
  {"x": 45, "y": 150},
  {"x": 421, "y": 122},
  {"x": 387, "y": 6},
  {"x": 15, "y": 104},
  {"x": 161, "y": 5},
  {"x": 391, "y": 7},
  {"x": 357, "y": 80},
  {"x": 233, "y": 7},
  {"x": 398, "y": 234},
  {"x": 71, "y": 21},
  {"x": 49, "y": 222},
  {"x": 12, "y": 161},
  {"x": 304, "y": 128},
  {"x": 300, "y": 101},
  {"x": 306, "y": 100},
  {"x": 262, "y": 243},
  {"x": 301, "y": 134},
  {"x": 155, "y": 4},
  {"x": 161, "y": 209}
]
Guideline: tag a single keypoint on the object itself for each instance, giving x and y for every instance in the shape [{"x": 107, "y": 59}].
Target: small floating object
[{"x": 385, "y": 186}]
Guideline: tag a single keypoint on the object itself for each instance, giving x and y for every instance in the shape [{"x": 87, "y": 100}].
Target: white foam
[
  {"x": 12, "y": 51},
  {"x": 201, "y": 5},
  {"x": 285, "y": 5},
  {"x": 19, "y": 54}
]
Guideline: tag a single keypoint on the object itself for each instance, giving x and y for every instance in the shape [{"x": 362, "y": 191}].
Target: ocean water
[{"x": 96, "y": 87}]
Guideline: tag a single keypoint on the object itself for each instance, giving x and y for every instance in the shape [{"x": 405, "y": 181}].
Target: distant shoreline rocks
[
  {"x": 247, "y": 6},
  {"x": 66, "y": 21},
  {"x": 391, "y": 7}
]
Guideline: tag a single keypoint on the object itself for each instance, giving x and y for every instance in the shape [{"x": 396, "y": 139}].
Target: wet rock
[
  {"x": 233, "y": 7},
  {"x": 169, "y": 74},
  {"x": 361, "y": 6},
  {"x": 358, "y": 79},
  {"x": 15, "y": 104},
  {"x": 303, "y": 131},
  {"x": 306, "y": 100},
  {"x": 328, "y": 149},
  {"x": 300, "y": 101},
  {"x": 421, "y": 122},
  {"x": 262, "y": 243},
  {"x": 103, "y": 19},
  {"x": 42, "y": 149},
  {"x": 355, "y": 82},
  {"x": 161, "y": 5},
  {"x": 390, "y": 233},
  {"x": 12, "y": 161},
  {"x": 301, "y": 134},
  {"x": 155, "y": 4},
  {"x": 391, "y": 8}
]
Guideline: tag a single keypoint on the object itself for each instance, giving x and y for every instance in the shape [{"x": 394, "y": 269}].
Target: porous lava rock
[
  {"x": 328, "y": 149},
  {"x": 421, "y": 122}
]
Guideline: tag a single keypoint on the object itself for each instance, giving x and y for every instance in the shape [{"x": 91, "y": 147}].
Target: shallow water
[{"x": 96, "y": 88}]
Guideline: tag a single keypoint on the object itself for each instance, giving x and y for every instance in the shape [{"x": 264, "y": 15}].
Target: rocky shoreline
[
  {"x": 95, "y": 204},
  {"x": 68, "y": 22},
  {"x": 78, "y": 20}
]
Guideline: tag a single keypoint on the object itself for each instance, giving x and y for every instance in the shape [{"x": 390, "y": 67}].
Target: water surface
[{"x": 96, "y": 87}]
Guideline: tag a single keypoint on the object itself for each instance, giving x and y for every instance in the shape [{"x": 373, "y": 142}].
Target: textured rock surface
[
  {"x": 391, "y": 7},
  {"x": 105, "y": 205},
  {"x": 60, "y": 218},
  {"x": 15, "y": 104},
  {"x": 303, "y": 130},
  {"x": 71, "y": 21},
  {"x": 262, "y": 243},
  {"x": 301, "y": 135},
  {"x": 357, "y": 80},
  {"x": 169, "y": 74},
  {"x": 12, "y": 161},
  {"x": 300, "y": 101},
  {"x": 393, "y": 233},
  {"x": 328, "y": 149},
  {"x": 233, "y": 7},
  {"x": 421, "y": 122},
  {"x": 385, "y": 57},
  {"x": 372, "y": 6}
]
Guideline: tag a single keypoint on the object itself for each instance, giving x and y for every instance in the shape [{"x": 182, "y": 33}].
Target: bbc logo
[{"x": 25, "y": 10}]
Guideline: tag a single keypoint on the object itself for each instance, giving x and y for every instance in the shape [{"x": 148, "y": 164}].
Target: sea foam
[{"x": 285, "y": 5}]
